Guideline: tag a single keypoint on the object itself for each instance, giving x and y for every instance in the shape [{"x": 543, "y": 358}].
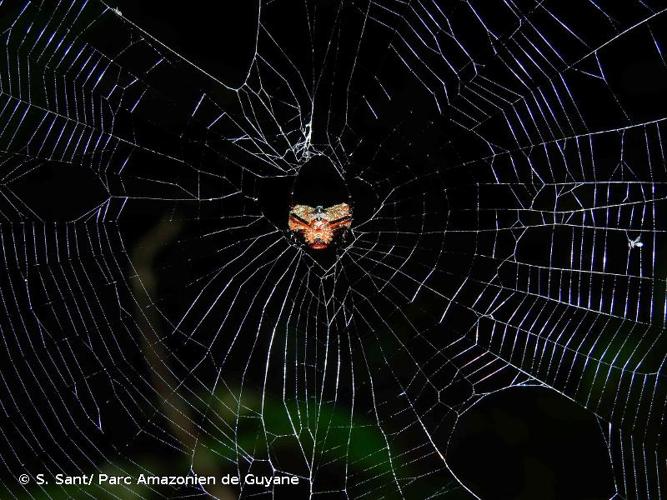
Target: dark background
[
  {"x": 521, "y": 444},
  {"x": 528, "y": 443}
]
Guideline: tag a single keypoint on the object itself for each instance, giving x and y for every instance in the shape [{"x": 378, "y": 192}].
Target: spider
[{"x": 319, "y": 226}]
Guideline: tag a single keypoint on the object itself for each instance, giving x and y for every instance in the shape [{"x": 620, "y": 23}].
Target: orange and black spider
[{"x": 319, "y": 226}]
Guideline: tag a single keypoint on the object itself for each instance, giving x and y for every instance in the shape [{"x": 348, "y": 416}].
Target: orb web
[{"x": 506, "y": 166}]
